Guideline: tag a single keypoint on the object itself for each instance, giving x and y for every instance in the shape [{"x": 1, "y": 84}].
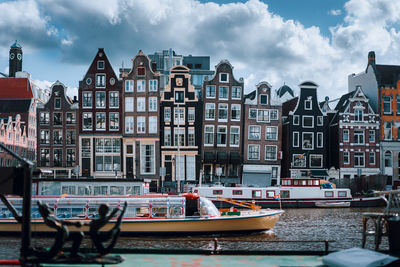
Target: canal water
[{"x": 343, "y": 226}]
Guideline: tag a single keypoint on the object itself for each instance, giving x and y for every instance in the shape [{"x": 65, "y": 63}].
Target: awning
[
  {"x": 209, "y": 157},
  {"x": 235, "y": 158},
  {"x": 319, "y": 173},
  {"x": 222, "y": 157}
]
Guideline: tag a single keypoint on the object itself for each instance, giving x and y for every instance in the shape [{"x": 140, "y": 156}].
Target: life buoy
[{"x": 191, "y": 196}]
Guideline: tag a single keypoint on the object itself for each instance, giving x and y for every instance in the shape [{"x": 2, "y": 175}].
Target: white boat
[
  {"x": 157, "y": 214},
  {"x": 292, "y": 193},
  {"x": 333, "y": 204}
]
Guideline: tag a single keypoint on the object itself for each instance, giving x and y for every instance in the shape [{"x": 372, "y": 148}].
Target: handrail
[{"x": 252, "y": 206}]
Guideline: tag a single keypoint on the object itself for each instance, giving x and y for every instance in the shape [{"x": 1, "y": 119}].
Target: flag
[
  {"x": 277, "y": 197},
  {"x": 302, "y": 155}
]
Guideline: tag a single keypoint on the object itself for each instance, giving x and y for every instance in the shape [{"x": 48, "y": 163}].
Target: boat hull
[{"x": 251, "y": 223}]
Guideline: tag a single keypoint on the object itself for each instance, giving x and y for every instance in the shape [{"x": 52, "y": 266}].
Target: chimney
[
  {"x": 75, "y": 99},
  {"x": 371, "y": 58}
]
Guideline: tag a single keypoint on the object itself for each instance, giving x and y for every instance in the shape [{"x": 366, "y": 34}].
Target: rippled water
[{"x": 343, "y": 226}]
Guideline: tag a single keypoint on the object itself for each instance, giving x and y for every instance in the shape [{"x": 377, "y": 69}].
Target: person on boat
[
  {"x": 96, "y": 224},
  {"x": 63, "y": 234}
]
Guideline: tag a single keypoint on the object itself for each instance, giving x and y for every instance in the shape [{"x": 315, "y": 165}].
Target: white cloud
[{"x": 335, "y": 12}]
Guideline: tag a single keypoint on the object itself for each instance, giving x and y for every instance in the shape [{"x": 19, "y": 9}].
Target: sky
[{"x": 278, "y": 41}]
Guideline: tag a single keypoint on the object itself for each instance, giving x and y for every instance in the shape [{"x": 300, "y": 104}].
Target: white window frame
[
  {"x": 191, "y": 137},
  {"x": 153, "y": 104},
  {"x": 357, "y": 134},
  {"x": 208, "y": 127},
  {"x": 97, "y": 80},
  {"x": 141, "y": 86},
  {"x": 109, "y": 99},
  {"x": 296, "y": 140},
  {"x": 370, "y": 156},
  {"x": 129, "y": 104},
  {"x": 191, "y": 114},
  {"x": 226, "y": 135},
  {"x": 252, "y": 111},
  {"x": 208, "y": 105},
  {"x": 219, "y": 92},
  {"x": 346, "y": 158},
  {"x": 141, "y": 124},
  {"x": 240, "y": 92},
  {"x": 371, "y": 133},
  {"x": 273, "y": 111},
  {"x": 302, "y": 121},
  {"x": 105, "y": 121},
  {"x": 322, "y": 140},
  {"x": 317, "y": 156},
  {"x": 153, "y": 84},
  {"x": 356, "y": 156},
  {"x": 167, "y": 136},
  {"x": 83, "y": 121},
  {"x": 227, "y": 77},
  {"x": 215, "y": 91},
  {"x": 238, "y": 136},
  {"x": 302, "y": 139},
  {"x": 98, "y": 65},
  {"x": 179, "y": 115},
  {"x": 129, "y": 121},
  {"x": 305, "y": 104},
  {"x": 167, "y": 114},
  {"x": 153, "y": 124},
  {"x": 109, "y": 121},
  {"x": 259, "y": 132},
  {"x": 264, "y": 104},
  {"x": 143, "y": 159},
  {"x": 248, "y": 152},
  {"x": 346, "y": 135},
  {"x": 264, "y": 116},
  {"x": 237, "y": 108},
  {"x": 302, "y": 160},
  {"x": 226, "y": 109},
  {"x": 320, "y": 120},
  {"x": 296, "y": 118},
  {"x": 140, "y": 104},
  {"x": 276, "y": 153},
  {"x": 105, "y": 99},
  {"x": 129, "y": 86},
  {"x": 91, "y": 99},
  {"x": 276, "y": 131}
]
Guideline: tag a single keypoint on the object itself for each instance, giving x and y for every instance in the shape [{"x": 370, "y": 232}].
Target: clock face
[
  {"x": 12, "y": 56},
  {"x": 19, "y": 56}
]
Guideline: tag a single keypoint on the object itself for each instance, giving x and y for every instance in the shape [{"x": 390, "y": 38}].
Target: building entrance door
[
  {"x": 86, "y": 167},
  {"x": 129, "y": 167}
]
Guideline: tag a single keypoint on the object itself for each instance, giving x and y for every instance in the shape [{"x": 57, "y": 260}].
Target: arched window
[{"x": 388, "y": 159}]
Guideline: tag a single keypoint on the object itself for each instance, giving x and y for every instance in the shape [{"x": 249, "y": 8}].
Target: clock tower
[{"x": 15, "y": 59}]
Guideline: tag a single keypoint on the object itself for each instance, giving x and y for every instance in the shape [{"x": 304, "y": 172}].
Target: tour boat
[
  {"x": 292, "y": 193},
  {"x": 157, "y": 214}
]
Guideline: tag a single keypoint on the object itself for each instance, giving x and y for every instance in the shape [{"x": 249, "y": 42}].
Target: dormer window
[
  {"x": 223, "y": 77},
  {"x": 264, "y": 99},
  {"x": 100, "y": 65},
  {"x": 308, "y": 104},
  {"x": 179, "y": 96},
  {"x": 100, "y": 80},
  {"x": 358, "y": 115},
  {"x": 57, "y": 103},
  {"x": 141, "y": 71}
]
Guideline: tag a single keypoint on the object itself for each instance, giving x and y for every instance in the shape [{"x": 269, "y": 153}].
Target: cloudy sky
[{"x": 278, "y": 41}]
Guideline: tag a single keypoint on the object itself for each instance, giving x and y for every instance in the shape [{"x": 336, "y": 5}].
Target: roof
[
  {"x": 16, "y": 44},
  {"x": 283, "y": 90},
  {"x": 387, "y": 75},
  {"x": 15, "y": 88},
  {"x": 14, "y": 105},
  {"x": 251, "y": 95},
  {"x": 343, "y": 100},
  {"x": 289, "y": 105}
]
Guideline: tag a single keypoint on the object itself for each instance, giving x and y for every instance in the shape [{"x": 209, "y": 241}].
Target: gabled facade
[
  {"x": 222, "y": 126},
  {"x": 141, "y": 109},
  {"x": 13, "y": 136},
  {"x": 181, "y": 125},
  {"x": 100, "y": 127},
  {"x": 305, "y": 129},
  {"x": 57, "y": 128},
  {"x": 354, "y": 136},
  {"x": 262, "y": 137}
]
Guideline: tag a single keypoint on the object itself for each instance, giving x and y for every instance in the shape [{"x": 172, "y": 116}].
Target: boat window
[
  {"x": 237, "y": 192},
  {"x": 295, "y": 182},
  {"x": 270, "y": 194},
  {"x": 328, "y": 193},
  {"x": 207, "y": 208},
  {"x": 116, "y": 190},
  {"x": 217, "y": 192},
  {"x": 142, "y": 212},
  {"x": 289, "y": 182},
  {"x": 284, "y": 182},
  {"x": 176, "y": 212},
  {"x": 309, "y": 182},
  {"x": 100, "y": 190},
  {"x": 342, "y": 194},
  {"x": 84, "y": 190},
  {"x": 159, "y": 212},
  {"x": 71, "y": 211},
  {"x": 256, "y": 193},
  {"x": 285, "y": 194},
  {"x": 303, "y": 182},
  {"x": 68, "y": 189},
  {"x": 93, "y": 212},
  {"x": 35, "y": 213},
  {"x": 316, "y": 182},
  {"x": 133, "y": 190}
]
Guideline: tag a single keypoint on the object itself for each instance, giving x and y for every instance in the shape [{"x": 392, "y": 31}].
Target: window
[
  {"x": 217, "y": 192},
  {"x": 221, "y": 136},
  {"x": 388, "y": 159},
  {"x": 44, "y": 118},
  {"x": 114, "y": 100},
  {"x": 308, "y": 104},
  {"x": 308, "y": 121},
  {"x": 387, "y": 105},
  {"x": 141, "y": 104},
  {"x": 129, "y": 125},
  {"x": 87, "y": 121},
  {"x": 114, "y": 121},
  {"x": 210, "y": 111},
  {"x": 210, "y": 91},
  {"x": 141, "y": 71},
  {"x": 167, "y": 114},
  {"x": 320, "y": 121},
  {"x": 140, "y": 86},
  {"x": 299, "y": 160},
  {"x": 147, "y": 159},
  {"x": 271, "y": 152},
  {"x": 179, "y": 96},
  {"x": 271, "y": 133},
  {"x": 264, "y": 99},
  {"x": 152, "y": 104},
  {"x": 179, "y": 115},
  {"x": 235, "y": 112},
  {"x": 44, "y": 137},
  {"x": 358, "y": 159},
  {"x": 70, "y": 118},
  {"x": 345, "y": 135},
  {"x": 237, "y": 192},
  {"x": 223, "y": 92},
  {"x": 209, "y": 135},
  {"x": 254, "y": 152},
  {"x": 100, "y": 99},
  {"x": 71, "y": 137},
  {"x": 153, "y": 124},
  {"x": 252, "y": 114},
  {"x": 153, "y": 85},
  {"x": 100, "y": 65},
  {"x": 141, "y": 125},
  {"x": 100, "y": 80},
  {"x": 190, "y": 168},
  {"x": 70, "y": 157},
  {"x": 296, "y": 139},
  {"x": 346, "y": 157},
  {"x": 387, "y": 130},
  {"x": 372, "y": 158},
  {"x": 167, "y": 136},
  {"x": 342, "y": 194},
  {"x": 45, "y": 157},
  {"x": 263, "y": 115},
  {"x": 316, "y": 161},
  {"x": 57, "y": 157},
  {"x": 128, "y": 86},
  {"x": 235, "y": 133},
  {"x": 223, "y": 112},
  {"x": 273, "y": 115},
  {"x": 328, "y": 194},
  {"x": 179, "y": 137},
  {"x": 57, "y": 137},
  {"x": 359, "y": 137},
  {"x": 191, "y": 115},
  {"x": 254, "y": 132},
  {"x": 87, "y": 99},
  {"x": 191, "y": 140},
  {"x": 57, "y": 103},
  {"x": 100, "y": 121},
  {"x": 57, "y": 118},
  {"x": 129, "y": 104},
  {"x": 320, "y": 140},
  {"x": 371, "y": 136},
  {"x": 223, "y": 77},
  {"x": 308, "y": 141},
  {"x": 236, "y": 92},
  {"x": 296, "y": 120},
  {"x": 358, "y": 115}
]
